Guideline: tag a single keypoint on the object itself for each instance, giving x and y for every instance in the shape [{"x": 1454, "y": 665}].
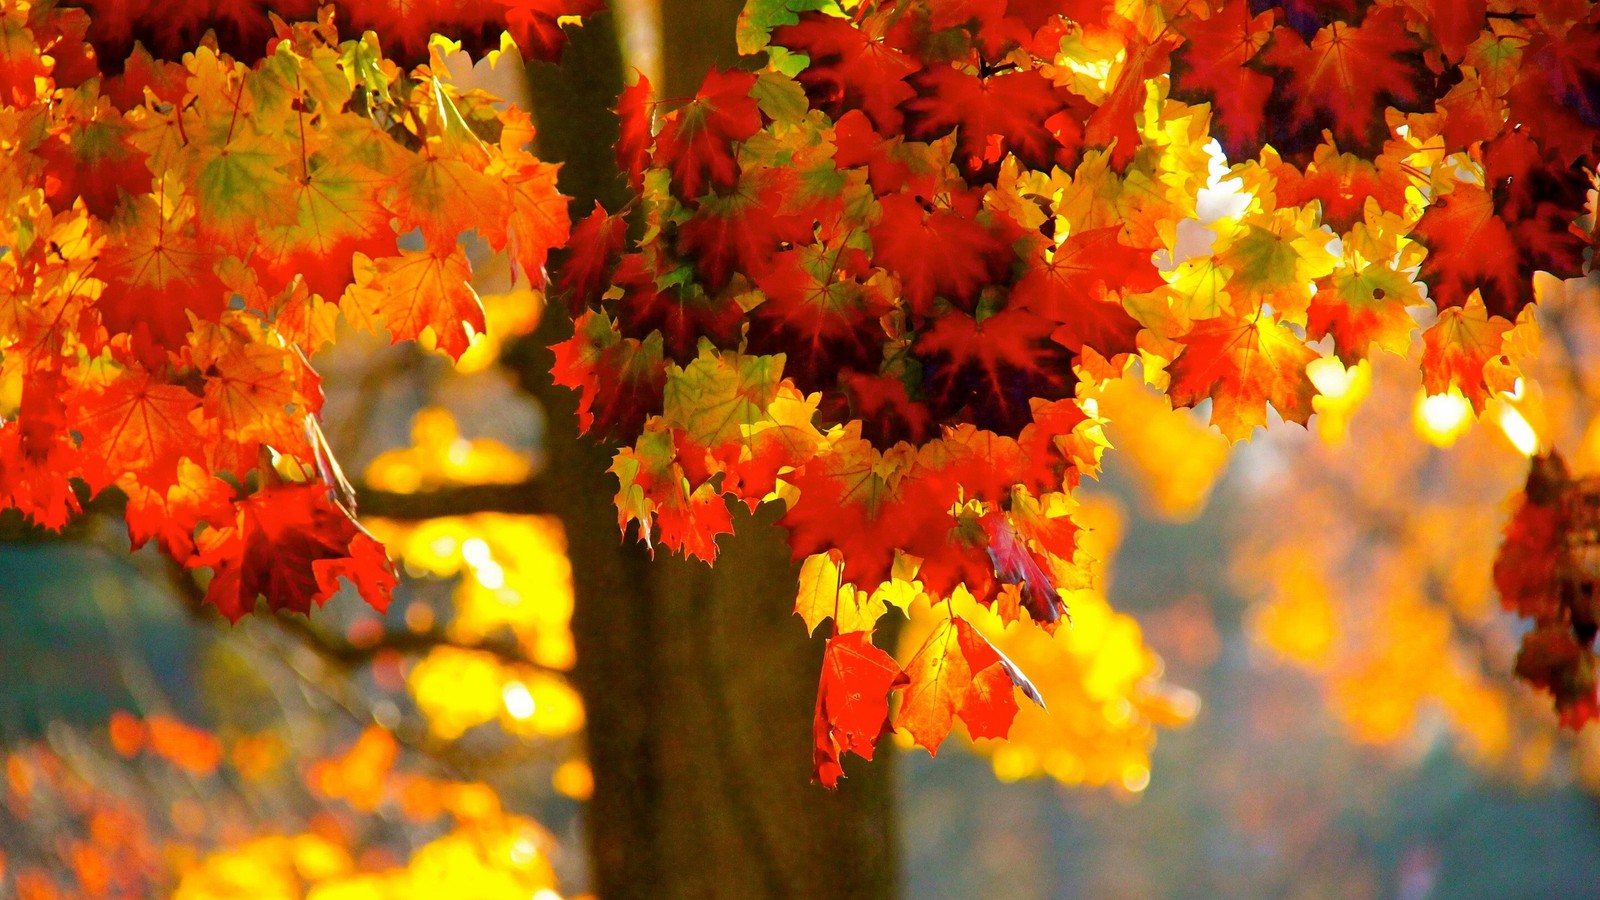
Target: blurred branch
[
  {"x": 524, "y": 497},
  {"x": 346, "y": 654}
]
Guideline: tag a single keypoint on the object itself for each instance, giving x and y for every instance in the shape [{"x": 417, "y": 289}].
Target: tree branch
[
  {"x": 345, "y": 654},
  {"x": 528, "y": 497}
]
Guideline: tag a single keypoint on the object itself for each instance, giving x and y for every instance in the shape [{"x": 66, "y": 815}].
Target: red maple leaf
[
  {"x": 1557, "y": 95},
  {"x": 592, "y": 252},
  {"x": 958, "y": 673},
  {"x": 156, "y": 274},
  {"x": 885, "y": 409},
  {"x": 822, "y": 311},
  {"x": 636, "y": 115},
  {"x": 938, "y": 251},
  {"x": 986, "y": 372},
  {"x": 1213, "y": 64},
  {"x": 847, "y": 503},
  {"x": 740, "y": 231},
  {"x": 1077, "y": 285},
  {"x": 683, "y": 313},
  {"x": 696, "y": 141},
  {"x": 1341, "y": 184},
  {"x": 850, "y": 69},
  {"x": 136, "y": 427},
  {"x": 1016, "y": 563},
  {"x": 1470, "y": 248},
  {"x": 1016, "y": 112},
  {"x": 38, "y": 454},
  {"x": 1344, "y": 76},
  {"x": 291, "y": 544},
  {"x": 852, "y": 702},
  {"x": 618, "y": 379}
]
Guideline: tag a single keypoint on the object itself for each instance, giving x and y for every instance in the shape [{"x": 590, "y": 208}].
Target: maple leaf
[
  {"x": 242, "y": 28},
  {"x": 255, "y": 394},
  {"x": 151, "y": 257},
  {"x": 1242, "y": 366},
  {"x": 1213, "y": 64},
  {"x": 986, "y": 372},
  {"x": 1345, "y": 73},
  {"x": 740, "y": 232},
  {"x": 1341, "y": 183},
  {"x": 682, "y": 313},
  {"x": 856, "y": 499},
  {"x": 958, "y": 674},
  {"x": 849, "y": 69},
  {"x": 445, "y": 191},
  {"x": 715, "y": 401},
  {"x": 290, "y": 545},
  {"x": 1078, "y": 284},
  {"x": 619, "y": 379},
  {"x": 538, "y": 219},
  {"x": 1273, "y": 259},
  {"x": 595, "y": 245},
  {"x": 696, "y": 141},
  {"x": 1022, "y": 109},
  {"x": 170, "y": 517},
  {"x": 1457, "y": 349},
  {"x": 420, "y": 291},
  {"x": 823, "y": 595},
  {"x": 1016, "y": 564},
  {"x": 1555, "y": 95},
  {"x": 1364, "y": 302},
  {"x": 655, "y": 492},
  {"x": 139, "y": 428},
  {"x": 1471, "y": 249},
  {"x": 937, "y": 250},
  {"x": 852, "y": 702},
  {"x": 336, "y": 214},
  {"x": 92, "y": 157},
  {"x": 883, "y": 405},
  {"x": 823, "y": 306},
  {"x": 38, "y": 453},
  {"x": 636, "y": 115}
]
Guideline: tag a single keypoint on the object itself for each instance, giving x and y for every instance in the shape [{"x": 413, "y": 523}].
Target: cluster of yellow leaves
[
  {"x": 109, "y": 843},
  {"x": 1102, "y": 685},
  {"x": 486, "y": 852},
  {"x": 439, "y": 455},
  {"x": 1175, "y": 459},
  {"x": 513, "y": 580},
  {"x": 1376, "y": 581}
]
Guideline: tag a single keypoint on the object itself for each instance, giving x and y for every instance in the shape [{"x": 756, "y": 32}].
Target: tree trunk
[{"x": 698, "y": 681}]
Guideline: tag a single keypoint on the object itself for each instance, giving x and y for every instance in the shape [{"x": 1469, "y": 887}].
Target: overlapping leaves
[
  {"x": 982, "y": 207},
  {"x": 178, "y": 238}
]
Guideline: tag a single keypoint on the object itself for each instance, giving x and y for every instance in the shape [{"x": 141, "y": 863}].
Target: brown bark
[{"x": 698, "y": 681}]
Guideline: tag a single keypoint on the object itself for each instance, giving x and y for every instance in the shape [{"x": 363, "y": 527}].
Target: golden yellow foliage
[
  {"x": 1101, "y": 683},
  {"x": 1370, "y": 568},
  {"x": 275, "y": 867},
  {"x": 1175, "y": 458},
  {"x": 440, "y": 456},
  {"x": 515, "y": 576},
  {"x": 458, "y": 689}
]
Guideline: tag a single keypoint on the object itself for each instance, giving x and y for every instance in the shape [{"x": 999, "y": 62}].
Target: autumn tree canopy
[{"x": 879, "y": 275}]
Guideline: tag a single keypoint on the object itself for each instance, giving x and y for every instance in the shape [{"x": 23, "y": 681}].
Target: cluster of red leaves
[
  {"x": 1516, "y": 83},
  {"x": 1548, "y": 571},
  {"x": 243, "y": 29},
  {"x": 178, "y": 239},
  {"x": 874, "y": 273}
]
